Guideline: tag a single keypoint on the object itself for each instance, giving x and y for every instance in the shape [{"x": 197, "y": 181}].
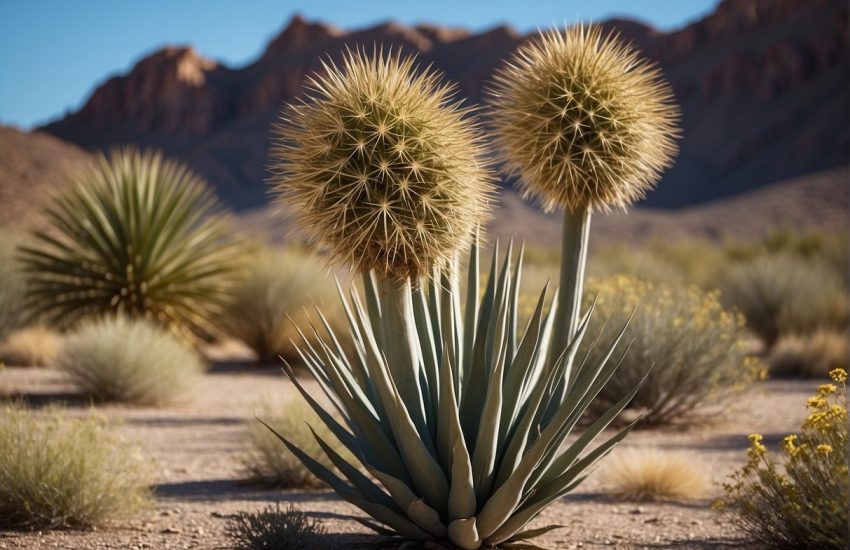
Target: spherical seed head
[
  {"x": 582, "y": 120},
  {"x": 379, "y": 162}
]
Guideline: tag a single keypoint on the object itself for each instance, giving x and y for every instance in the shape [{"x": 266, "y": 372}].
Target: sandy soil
[{"x": 195, "y": 448}]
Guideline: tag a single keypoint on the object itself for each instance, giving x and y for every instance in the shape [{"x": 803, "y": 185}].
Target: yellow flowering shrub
[
  {"x": 692, "y": 343},
  {"x": 801, "y": 497}
]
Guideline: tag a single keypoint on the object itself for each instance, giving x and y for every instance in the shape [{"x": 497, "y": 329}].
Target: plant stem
[
  {"x": 400, "y": 342},
  {"x": 574, "y": 243}
]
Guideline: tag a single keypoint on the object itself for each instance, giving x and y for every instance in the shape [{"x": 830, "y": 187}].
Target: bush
[
  {"x": 129, "y": 361},
  {"x": 135, "y": 235},
  {"x": 35, "y": 346},
  {"x": 273, "y": 529},
  {"x": 12, "y": 287},
  {"x": 652, "y": 474},
  {"x": 276, "y": 295},
  {"x": 813, "y": 355},
  {"x": 782, "y": 294},
  {"x": 61, "y": 473},
  {"x": 270, "y": 463},
  {"x": 800, "y": 499},
  {"x": 692, "y": 344}
]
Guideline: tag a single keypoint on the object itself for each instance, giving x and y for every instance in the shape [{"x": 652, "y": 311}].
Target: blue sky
[{"x": 54, "y": 52}]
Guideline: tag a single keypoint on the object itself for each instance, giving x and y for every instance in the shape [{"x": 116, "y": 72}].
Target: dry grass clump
[
  {"x": 270, "y": 463},
  {"x": 35, "y": 346},
  {"x": 129, "y": 361},
  {"x": 12, "y": 286},
  {"x": 61, "y": 473},
  {"x": 799, "y": 498},
  {"x": 784, "y": 294},
  {"x": 276, "y": 295},
  {"x": 646, "y": 474},
  {"x": 693, "y": 344},
  {"x": 274, "y": 529},
  {"x": 813, "y": 355}
]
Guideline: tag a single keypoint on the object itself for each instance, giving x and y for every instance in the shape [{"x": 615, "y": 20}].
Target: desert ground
[{"x": 194, "y": 450}]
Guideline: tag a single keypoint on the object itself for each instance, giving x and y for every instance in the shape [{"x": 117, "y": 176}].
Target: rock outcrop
[{"x": 762, "y": 85}]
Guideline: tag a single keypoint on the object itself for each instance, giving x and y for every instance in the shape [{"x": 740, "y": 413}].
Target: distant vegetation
[
  {"x": 692, "y": 343},
  {"x": 277, "y": 296},
  {"x": 129, "y": 361},
  {"x": 268, "y": 462}
]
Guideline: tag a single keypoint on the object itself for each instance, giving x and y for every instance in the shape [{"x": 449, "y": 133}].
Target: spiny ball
[
  {"x": 379, "y": 162},
  {"x": 582, "y": 120}
]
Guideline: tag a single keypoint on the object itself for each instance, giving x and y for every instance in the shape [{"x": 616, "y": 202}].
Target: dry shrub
[
  {"x": 799, "y": 498},
  {"x": 784, "y": 294},
  {"x": 270, "y": 463},
  {"x": 12, "y": 286},
  {"x": 275, "y": 529},
  {"x": 276, "y": 295},
  {"x": 650, "y": 474},
  {"x": 61, "y": 473},
  {"x": 813, "y": 355},
  {"x": 129, "y": 361},
  {"x": 35, "y": 346},
  {"x": 692, "y": 344}
]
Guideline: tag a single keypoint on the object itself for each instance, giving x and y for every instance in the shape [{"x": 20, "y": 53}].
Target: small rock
[
  {"x": 170, "y": 531},
  {"x": 652, "y": 520},
  {"x": 638, "y": 510}
]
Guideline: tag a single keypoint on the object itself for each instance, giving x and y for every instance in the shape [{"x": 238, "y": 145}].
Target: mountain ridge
[{"x": 762, "y": 85}]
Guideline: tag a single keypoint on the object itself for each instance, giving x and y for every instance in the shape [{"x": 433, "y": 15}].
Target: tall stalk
[
  {"x": 574, "y": 242},
  {"x": 400, "y": 342}
]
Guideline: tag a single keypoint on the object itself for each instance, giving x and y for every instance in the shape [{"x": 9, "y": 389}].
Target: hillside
[
  {"x": 762, "y": 85},
  {"x": 816, "y": 202},
  {"x": 32, "y": 166}
]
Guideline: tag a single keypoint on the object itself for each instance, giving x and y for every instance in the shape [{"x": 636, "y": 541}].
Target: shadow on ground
[
  {"x": 49, "y": 399},
  {"x": 234, "y": 489}
]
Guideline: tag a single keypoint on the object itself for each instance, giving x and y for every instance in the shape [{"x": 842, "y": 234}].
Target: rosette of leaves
[{"x": 138, "y": 235}]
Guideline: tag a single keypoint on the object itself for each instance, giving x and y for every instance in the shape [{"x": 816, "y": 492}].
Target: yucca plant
[
  {"x": 138, "y": 235},
  {"x": 460, "y": 420}
]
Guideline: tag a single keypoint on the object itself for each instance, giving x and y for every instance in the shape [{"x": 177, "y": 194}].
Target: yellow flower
[
  {"x": 816, "y": 402},
  {"x": 756, "y": 449},
  {"x": 839, "y": 375},
  {"x": 827, "y": 389},
  {"x": 788, "y": 444},
  {"x": 824, "y": 448}
]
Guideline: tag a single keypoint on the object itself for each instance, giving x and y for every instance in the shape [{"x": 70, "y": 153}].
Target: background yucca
[
  {"x": 138, "y": 235},
  {"x": 278, "y": 291},
  {"x": 380, "y": 162}
]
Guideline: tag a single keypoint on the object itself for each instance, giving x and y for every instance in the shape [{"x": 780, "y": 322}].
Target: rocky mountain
[
  {"x": 763, "y": 86},
  {"x": 33, "y": 166}
]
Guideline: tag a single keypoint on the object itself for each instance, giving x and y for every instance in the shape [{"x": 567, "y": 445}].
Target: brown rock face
[
  {"x": 167, "y": 92},
  {"x": 762, "y": 85}
]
